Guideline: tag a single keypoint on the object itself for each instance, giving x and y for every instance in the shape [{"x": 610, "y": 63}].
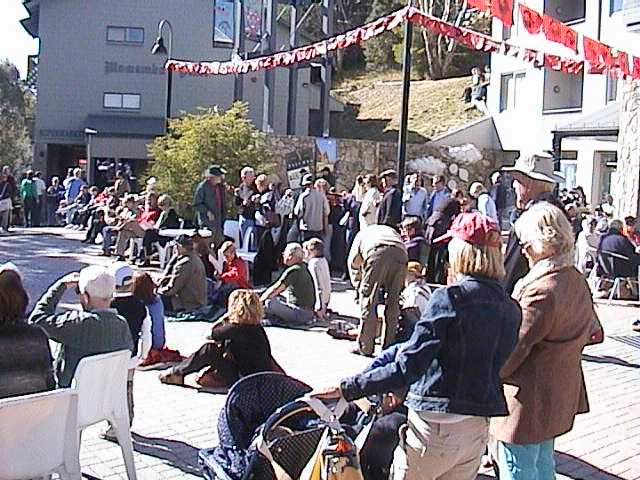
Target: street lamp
[
  {"x": 159, "y": 49},
  {"x": 89, "y": 132}
]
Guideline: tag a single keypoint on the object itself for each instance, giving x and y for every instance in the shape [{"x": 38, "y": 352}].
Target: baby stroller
[{"x": 267, "y": 432}]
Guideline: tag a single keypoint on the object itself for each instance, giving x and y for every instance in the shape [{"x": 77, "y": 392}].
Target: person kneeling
[
  {"x": 296, "y": 280},
  {"x": 238, "y": 347}
]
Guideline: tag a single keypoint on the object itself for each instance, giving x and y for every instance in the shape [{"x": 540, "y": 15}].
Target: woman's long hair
[
  {"x": 13, "y": 298},
  {"x": 144, "y": 288},
  {"x": 245, "y": 308}
]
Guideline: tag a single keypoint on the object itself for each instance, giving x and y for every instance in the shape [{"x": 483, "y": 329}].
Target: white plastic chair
[
  {"x": 231, "y": 229},
  {"x": 244, "y": 252},
  {"x": 38, "y": 436},
  {"x": 101, "y": 383}
]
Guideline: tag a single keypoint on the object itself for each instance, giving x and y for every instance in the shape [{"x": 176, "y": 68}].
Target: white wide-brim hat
[{"x": 538, "y": 166}]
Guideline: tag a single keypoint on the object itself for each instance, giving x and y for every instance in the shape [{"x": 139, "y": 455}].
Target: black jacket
[
  {"x": 390, "y": 212},
  {"x": 614, "y": 266},
  {"x": 26, "y": 365},
  {"x": 515, "y": 265}
]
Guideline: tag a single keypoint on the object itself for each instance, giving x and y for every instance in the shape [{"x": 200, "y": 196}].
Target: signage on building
[
  {"x": 61, "y": 133},
  {"x": 115, "y": 67},
  {"x": 253, "y": 19},
  {"x": 299, "y": 163},
  {"x": 223, "y": 21}
]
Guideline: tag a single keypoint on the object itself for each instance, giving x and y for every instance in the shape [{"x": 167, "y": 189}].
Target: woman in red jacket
[{"x": 234, "y": 274}]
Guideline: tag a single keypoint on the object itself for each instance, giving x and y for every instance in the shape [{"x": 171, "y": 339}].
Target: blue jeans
[
  {"x": 526, "y": 462},
  {"x": 107, "y": 238},
  {"x": 244, "y": 224}
]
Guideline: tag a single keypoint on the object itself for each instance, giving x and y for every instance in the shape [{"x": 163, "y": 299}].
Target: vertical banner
[
  {"x": 223, "y": 22},
  {"x": 253, "y": 19}
]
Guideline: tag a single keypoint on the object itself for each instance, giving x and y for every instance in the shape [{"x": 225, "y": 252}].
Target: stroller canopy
[{"x": 251, "y": 401}]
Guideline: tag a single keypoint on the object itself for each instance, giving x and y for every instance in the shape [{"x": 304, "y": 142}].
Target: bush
[{"x": 196, "y": 141}]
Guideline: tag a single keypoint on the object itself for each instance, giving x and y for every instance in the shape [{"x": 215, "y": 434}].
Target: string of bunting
[{"x": 600, "y": 58}]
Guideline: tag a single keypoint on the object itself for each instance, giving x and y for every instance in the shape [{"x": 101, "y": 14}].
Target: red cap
[{"x": 474, "y": 227}]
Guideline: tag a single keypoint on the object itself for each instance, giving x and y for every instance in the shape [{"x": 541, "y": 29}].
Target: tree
[
  {"x": 196, "y": 141},
  {"x": 16, "y": 111},
  {"x": 441, "y": 51},
  {"x": 379, "y": 51}
]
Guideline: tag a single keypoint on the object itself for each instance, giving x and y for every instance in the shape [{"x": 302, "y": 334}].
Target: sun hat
[
  {"x": 122, "y": 273},
  {"x": 307, "y": 180},
  {"x": 96, "y": 282},
  {"x": 475, "y": 228},
  {"x": 215, "y": 171},
  {"x": 389, "y": 172},
  {"x": 538, "y": 166}
]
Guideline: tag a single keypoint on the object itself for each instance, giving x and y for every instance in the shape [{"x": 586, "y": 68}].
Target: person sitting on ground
[
  {"x": 413, "y": 239},
  {"x": 319, "y": 269},
  {"x": 144, "y": 289},
  {"x": 233, "y": 275},
  {"x": 202, "y": 247},
  {"x": 135, "y": 228},
  {"x": 96, "y": 225},
  {"x": 451, "y": 364},
  {"x": 84, "y": 207},
  {"x": 25, "y": 356},
  {"x": 297, "y": 282},
  {"x": 168, "y": 219},
  {"x": 183, "y": 286},
  {"x": 413, "y": 300},
  {"x": 95, "y": 329},
  {"x": 123, "y": 215},
  {"x": 134, "y": 311},
  {"x": 238, "y": 346},
  {"x": 71, "y": 208}
]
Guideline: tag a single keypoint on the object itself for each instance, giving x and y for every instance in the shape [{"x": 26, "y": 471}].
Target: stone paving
[{"x": 172, "y": 423}]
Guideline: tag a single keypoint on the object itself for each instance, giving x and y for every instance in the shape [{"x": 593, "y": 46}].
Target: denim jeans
[
  {"x": 244, "y": 224},
  {"x": 287, "y": 313},
  {"x": 107, "y": 238},
  {"x": 526, "y": 462}
]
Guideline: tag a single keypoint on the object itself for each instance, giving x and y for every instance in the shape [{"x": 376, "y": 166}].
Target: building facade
[
  {"x": 579, "y": 115},
  {"x": 96, "y": 72}
]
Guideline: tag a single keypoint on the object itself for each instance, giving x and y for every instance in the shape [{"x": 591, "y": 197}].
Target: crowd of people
[{"x": 478, "y": 338}]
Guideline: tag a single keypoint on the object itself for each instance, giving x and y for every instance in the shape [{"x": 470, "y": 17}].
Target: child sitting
[
  {"x": 319, "y": 268},
  {"x": 144, "y": 289},
  {"x": 413, "y": 300},
  {"x": 413, "y": 239}
]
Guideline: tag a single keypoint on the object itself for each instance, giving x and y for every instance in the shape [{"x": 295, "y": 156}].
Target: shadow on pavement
[
  {"x": 609, "y": 359},
  {"x": 175, "y": 453},
  {"x": 573, "y": 467}
]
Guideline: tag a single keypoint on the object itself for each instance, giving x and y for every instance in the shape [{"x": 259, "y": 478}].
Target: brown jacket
[
  {"x": 185, "y": 282},
  {"x": 543, "y": 379}
]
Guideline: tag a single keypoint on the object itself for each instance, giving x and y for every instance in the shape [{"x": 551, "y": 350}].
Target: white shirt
[
  {"x": 41, "y": 187},
  {"x": 319, "y": 268},
  {"x": 487, "y": 206},
  {"x": 369, "y": 208},
  {"x": 417, "y": 295}
]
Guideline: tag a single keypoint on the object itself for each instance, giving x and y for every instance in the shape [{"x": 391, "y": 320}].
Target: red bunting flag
[
  {"x": 621, "y": 65},
  {"x": 597, "y": 55},
  {"x": 482, "y": 5},
  {"x": 531, "y": 19},
  {"x": 636, "y": 68},
  {"x": 503, "y": 10},
  {"x": 558, "y": 32}
]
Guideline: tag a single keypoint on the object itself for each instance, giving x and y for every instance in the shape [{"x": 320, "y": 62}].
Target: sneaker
[{"x": 635, "y": 326}]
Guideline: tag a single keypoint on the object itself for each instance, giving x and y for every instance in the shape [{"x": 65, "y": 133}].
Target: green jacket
[
  {"x": 28, "y": 189},
  {"x": 79, "y": 333}
]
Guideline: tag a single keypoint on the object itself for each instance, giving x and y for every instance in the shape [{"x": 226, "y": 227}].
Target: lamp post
[
  {"x": 159, "y": 49},
  {"x": 401, "y": 158},
  {"x": 89, "y": 133}
]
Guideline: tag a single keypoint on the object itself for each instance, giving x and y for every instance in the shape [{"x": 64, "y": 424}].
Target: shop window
[
  {"x": 569, "y": 169},
  {"x": 121, "y": 101},
  {"x": 615, "y": 6},
  {"x": 566, "y": 12},
  {"x": 562, "y": 91},
  {"x": 511, "y": 85},
  {"x": 612, "y": 89},
  {"x": 126, "y": 35}
]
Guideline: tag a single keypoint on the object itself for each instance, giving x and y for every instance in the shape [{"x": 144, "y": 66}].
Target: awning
[
  {"x": 126, "y": 126},
  {"x": 604, "y": 122}
]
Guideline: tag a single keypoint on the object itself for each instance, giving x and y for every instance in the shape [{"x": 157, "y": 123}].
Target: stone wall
[
  {"x": 461, "y": 165},
  {"x": 626, "y": 188}
]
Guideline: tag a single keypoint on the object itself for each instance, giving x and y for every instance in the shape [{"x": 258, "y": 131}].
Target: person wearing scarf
[{"x": 543, "y": 379}]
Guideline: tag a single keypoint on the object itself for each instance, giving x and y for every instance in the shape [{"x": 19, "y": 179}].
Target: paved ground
[{"x": 172, "y": 423}]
